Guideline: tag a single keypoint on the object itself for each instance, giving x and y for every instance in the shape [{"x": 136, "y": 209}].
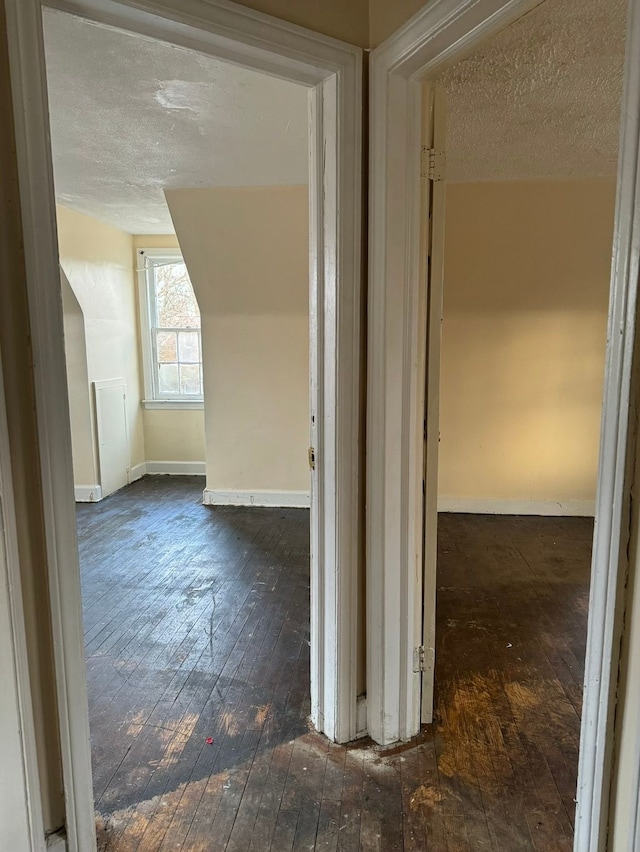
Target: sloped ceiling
[
  {"x": 131, "y": 116},
  {"x": 542, "y": 98}
]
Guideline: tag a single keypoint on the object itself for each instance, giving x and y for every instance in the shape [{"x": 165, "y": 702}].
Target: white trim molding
[
  {"x": 172, "y": 404},
  {"x": 137, "y": 471},
  {"x": 618, "y": 436},
  {"x": 57, "y": 842},
  {"x": 332, "y": 71},
  {"x": 291, "y": 499},
  {"x": 88, "y": 493},
  {"x": 438, "y": 34},
  {"x": 21, "y": 818},
  {"x": 443, "y": 32},
  {"x": 147, "y": 318},
  {"x": 176, "y": 468},
  {"x": 491, "y": 506},
  {"x": 361, "y": 710}
]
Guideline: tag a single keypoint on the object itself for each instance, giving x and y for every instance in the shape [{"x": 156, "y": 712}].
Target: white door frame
[
  {"x": 20, "y": 803},
  {"x": 332, "y": 71},
  {"x": 443, "y": 32}
]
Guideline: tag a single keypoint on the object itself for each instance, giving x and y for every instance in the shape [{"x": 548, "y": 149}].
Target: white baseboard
[
  {"x": 177, "y": 468},
  {"x": 88, "y": 493},
  {"x": 552, "y": 508},
  {"x": 137, "y": 471},
  {"x": 362, "y": 726},
  {"x": 292, "y": 499},
  {"x": 57, "y": 842}
]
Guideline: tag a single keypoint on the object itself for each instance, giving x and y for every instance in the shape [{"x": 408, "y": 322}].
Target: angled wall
[
  {"x": 85, "y": 469},
  {"x": 247, "y": 252},
  {"x": 98, "y": 263}
]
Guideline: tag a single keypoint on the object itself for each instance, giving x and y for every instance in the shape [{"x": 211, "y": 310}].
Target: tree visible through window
[{"x": 175, "y": 338}]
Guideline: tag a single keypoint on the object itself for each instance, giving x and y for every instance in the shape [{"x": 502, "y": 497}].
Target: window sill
[{"x": 173, "y": 404}]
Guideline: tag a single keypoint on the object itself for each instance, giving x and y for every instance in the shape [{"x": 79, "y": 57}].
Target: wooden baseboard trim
[
  {"x": 176, "y": 468},
  {"x": 292, "y": 499},
  {"x": 57, "y": 842},
  {"x": 88, "y": 493},
  {"x": 550, "y": 508},
  {"x": 362, "y": 728},
  {"x": 137, "y": 471}
]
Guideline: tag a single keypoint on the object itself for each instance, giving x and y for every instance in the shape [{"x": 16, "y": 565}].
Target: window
[{"x": 170, "y": 320}]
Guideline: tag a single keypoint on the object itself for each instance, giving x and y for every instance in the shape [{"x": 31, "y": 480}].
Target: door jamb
[
  {"x": 20, "y": 761},
  {"x": 332, "y": 70},
  {"x": 443, "y": 32}
]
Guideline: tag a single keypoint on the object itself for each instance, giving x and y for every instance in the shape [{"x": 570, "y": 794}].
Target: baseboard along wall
[
  {"x": 550, "y": 508},
  {"x": 177, "y": 468},
  {"x": 57, "y": 842},
  {"x": 301, "y": 499},
  {"x": 290, "y": 499},
  {"x": 93, "y": 493},
  {"x": 88, "y": 493}
]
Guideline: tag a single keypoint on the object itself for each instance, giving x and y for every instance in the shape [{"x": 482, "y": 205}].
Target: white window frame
[{"x": 152, "y": 396}]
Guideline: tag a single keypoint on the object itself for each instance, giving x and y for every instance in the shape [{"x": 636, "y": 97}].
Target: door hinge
[
  {"x": 312, "y": 458},
  {"x": 419, "y": 659},
  {"x": 432, "y": 163}
]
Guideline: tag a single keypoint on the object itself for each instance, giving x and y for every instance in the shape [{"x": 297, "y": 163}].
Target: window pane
[
  {"x": 167, "y": 344},
  {"x": 188, "y": 347},
  {"x": 175, "y": 300},
  {"x": 190, "y": 382},
  {"x": 168, "y": 378}
]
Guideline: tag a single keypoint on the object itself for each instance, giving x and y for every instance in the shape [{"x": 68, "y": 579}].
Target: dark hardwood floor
[{"x": 197, "y": 632}]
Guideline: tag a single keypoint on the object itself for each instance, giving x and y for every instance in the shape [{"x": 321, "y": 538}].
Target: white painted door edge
[
  {"x": 333, "y": 72},
  {"x": 618, "y": 437},
  {"x": 441, "y": 33},
  {"x": 23, "y": 820}
]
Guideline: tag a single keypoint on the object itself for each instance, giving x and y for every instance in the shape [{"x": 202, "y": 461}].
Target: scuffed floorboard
[{"x": 196, "y": 629}]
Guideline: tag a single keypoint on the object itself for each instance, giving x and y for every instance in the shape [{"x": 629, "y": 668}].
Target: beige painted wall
[
  {"x": 175, "y": 435},
  {"x": 97, "y": 261},
  {"x": 247, "y": 251},
  {"x": 386, "y": 17},
  {"x": 366, "y": 24},
  {"x": 85, "y": 471},
  {"x": 527, "y": 269},
  {"x": 348, "y": 21}
]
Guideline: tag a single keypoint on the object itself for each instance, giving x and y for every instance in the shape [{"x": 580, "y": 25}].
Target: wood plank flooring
[{"x": 197, "y": 629}]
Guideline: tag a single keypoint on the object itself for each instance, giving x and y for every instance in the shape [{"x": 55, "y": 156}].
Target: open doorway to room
[
  {"x": 532, "y": 145},
  {"x": 470, "y": 788},
  {"x": 183, "y": 224}
]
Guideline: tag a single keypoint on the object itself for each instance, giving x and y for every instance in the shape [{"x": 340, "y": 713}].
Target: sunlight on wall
[{"x": 526, "y": 292}]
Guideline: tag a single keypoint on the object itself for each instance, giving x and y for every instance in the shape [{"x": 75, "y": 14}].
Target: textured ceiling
[
  {"x": 542, "y": 98},
  {"x": 131, "y": 116}
]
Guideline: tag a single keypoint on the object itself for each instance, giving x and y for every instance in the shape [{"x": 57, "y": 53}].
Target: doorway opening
[
  {"x": 330, "y": 72},
  {"x": 184, "y": 250},
  {"x": 528, "y": 233},
  {"x": 429, "y": 44}
]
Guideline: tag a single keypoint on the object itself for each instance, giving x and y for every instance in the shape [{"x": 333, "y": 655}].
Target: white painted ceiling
[
  {"x": 542, "y": 98},
  {"x": 131, "y": 116}
]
